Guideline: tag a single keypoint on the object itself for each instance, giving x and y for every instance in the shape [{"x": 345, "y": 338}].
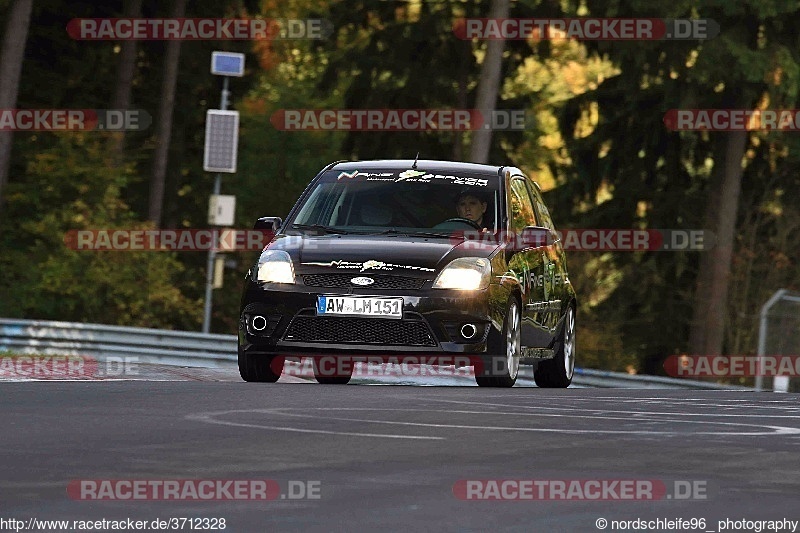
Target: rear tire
[
  {"x": 500, "y": 370},
  {"x": 260, "y": 368},
  {"x": 557, "y": 372}
]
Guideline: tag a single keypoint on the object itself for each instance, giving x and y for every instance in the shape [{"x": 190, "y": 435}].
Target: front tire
[
  {"x": 557, "y": 372},
  {"x": 501, "y": 370},
  {"x": 260, "y": 368}
]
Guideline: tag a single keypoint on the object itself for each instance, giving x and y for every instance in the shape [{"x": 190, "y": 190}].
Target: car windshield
[{"x": 396, "y": 201}]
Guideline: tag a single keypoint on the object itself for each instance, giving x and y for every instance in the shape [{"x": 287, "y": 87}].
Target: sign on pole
[
  {"x": 222, "y": 141},
  {"x": 221, "y": 209},
  {"x": 219, "y": 271},
  {"x": 227, "y": 64}
]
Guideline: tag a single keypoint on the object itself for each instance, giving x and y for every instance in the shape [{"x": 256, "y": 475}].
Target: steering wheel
[{"x": 463, "y": 220}]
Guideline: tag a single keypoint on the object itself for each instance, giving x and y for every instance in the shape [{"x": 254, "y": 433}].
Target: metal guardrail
[
  {"x": 101, "y": 341},
  {"x": 187, "y": 348},
  {"x": 606, "y": 379}
]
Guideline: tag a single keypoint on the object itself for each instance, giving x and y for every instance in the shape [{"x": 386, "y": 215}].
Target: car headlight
[
  {"x": 275, "y": 266},
  {"x": 465, "y": 273}
]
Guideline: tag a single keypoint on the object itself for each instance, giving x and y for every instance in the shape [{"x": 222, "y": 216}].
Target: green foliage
[
  {"x": 630, "y": 171},
  {"x": 74, "y": 186}
]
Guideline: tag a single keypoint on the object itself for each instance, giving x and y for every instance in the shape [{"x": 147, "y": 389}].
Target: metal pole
[{"x": 212, "y": 252}]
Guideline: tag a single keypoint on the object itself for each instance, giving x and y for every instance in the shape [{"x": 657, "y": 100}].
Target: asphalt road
[{"x": 399, "y": 457}]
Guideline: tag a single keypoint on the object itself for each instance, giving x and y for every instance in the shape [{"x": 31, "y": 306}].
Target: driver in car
[{"x": 472, "y": 206}]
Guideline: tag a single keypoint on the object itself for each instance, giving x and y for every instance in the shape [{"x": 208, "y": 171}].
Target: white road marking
[
  {"x": 209, "y": 419},
  {"x": 587, "y": 410}
]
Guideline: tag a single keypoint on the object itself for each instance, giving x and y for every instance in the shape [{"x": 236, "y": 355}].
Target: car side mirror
[
  {"x": 271, "y": 224},
  {"x": 536, "y": 237}
]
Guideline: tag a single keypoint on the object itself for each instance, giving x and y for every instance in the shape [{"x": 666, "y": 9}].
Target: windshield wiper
[
  {"x": 412, "y": 233},
  {"x": 321, "y": 227}
]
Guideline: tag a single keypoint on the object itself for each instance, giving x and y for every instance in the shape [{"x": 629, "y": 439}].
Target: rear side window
[
  {"x": 522, "y": 213},
  {"x": 541, "y": 209}
]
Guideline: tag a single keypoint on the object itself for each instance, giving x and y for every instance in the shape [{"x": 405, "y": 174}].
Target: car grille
[
  {"x": 342, "y": 281},
  {"x": 359, "y": 331}
]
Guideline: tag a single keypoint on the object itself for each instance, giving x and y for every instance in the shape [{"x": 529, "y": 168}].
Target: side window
[
  {"x": 541, "y": 209},
  {"x": 519, "y": 201}
]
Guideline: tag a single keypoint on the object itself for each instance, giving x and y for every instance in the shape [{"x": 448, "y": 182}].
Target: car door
[
  {"x": 527, "y": 265},
  {"x": 555, "y": 271}
]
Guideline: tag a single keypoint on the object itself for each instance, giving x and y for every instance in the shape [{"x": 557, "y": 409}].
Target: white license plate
[{"x": 360, "y": 306}]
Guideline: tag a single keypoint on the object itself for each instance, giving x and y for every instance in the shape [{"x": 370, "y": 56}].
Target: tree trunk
[
  {"x": 125, "y": 72},
  {"x": 169, "y": 83},
  {"x": 708, "y": 324},
  {"x": 11, "y": 58},
  {"x": 489, "y": 86},
  {"x": 458, "y": 136}
]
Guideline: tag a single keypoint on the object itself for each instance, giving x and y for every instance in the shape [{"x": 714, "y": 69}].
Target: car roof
[{"x": 422, "y": 164}]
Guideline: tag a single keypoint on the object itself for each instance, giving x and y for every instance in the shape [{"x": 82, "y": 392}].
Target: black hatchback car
[{"x": 405, "y": 259}]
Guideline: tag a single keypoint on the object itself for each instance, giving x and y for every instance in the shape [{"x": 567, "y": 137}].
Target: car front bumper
[{"x": 431, "y": 325}]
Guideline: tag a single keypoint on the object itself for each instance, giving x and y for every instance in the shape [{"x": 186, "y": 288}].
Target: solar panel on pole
[{"x": 222, "y": 141}]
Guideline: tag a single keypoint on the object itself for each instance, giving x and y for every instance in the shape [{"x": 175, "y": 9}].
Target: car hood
[{"x": 401, "y": 255}]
